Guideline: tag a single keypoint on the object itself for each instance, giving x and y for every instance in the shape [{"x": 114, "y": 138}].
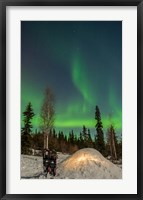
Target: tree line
[{"x": 47, "y": 137}]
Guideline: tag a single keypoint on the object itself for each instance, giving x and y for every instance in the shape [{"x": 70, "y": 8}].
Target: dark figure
[
  {"x": 50, "y": 161},
  {"x": 46, "y": 160},
  {"x": 53, "y": 162}
]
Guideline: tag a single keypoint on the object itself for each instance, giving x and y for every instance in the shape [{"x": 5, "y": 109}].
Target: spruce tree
[
  {"x": 27, "y": 129},
  {"x": 89, "y": 140},
  {"x": 86, "y": 138},
  {"x": 81, "y": 141},
  {"x": 119, "y": 149},
  {"x": 100, "y": 144},
  {"x": 112, "y": 142}
]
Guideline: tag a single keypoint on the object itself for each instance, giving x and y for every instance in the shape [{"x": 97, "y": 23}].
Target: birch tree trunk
[
  {"x": 44, "y": 141},
  {"x": 47, "y": 142}
]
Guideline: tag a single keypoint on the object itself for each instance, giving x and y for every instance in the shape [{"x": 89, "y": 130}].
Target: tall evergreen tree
[
  {"x": 28, "y": 115},
  {"x": 112, "y": 142},
  {"x": 27, "y": 129},
  {"x": 89, "y": 140},
  {"x": 119, "y": 149},
  {"x": 86, "y": 138},
  {"x": 100, "y": 143},
  {"x": 71, "y": 138},
  {"x": 81, "y": 141}
]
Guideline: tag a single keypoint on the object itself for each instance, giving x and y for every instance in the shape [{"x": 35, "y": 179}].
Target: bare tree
[{"x": 47, "y": 115}]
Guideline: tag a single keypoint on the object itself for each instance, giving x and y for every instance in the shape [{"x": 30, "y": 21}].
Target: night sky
[{"x": 81, "y": 61}]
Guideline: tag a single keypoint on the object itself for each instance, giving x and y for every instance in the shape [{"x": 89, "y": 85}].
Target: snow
[
  {"x": 31, "y": 166},
  {"x": 86, "y": 163}
]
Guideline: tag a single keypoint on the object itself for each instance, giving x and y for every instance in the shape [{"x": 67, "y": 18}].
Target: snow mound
[{"x": 88, "y": 163}]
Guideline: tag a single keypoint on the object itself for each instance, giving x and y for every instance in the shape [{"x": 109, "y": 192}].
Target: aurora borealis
[{"x": 81, "y": 62}]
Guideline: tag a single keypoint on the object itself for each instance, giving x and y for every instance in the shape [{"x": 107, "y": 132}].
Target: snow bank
[
  {"x": 88, "y": 163},
  {"x": 31, "y": 166}
]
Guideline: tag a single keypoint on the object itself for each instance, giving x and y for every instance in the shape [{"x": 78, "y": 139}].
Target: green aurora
[
  {"x": 68, "y": 117},
  {"x": 76, "y": 98}
]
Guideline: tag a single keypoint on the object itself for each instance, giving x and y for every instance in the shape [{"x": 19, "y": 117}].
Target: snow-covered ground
[
  {"x": 86, "y": 163},
  {"x": 32, "y": 166}
]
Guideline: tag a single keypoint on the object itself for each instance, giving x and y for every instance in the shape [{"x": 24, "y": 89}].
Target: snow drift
[{"x": 88, "y": 163}]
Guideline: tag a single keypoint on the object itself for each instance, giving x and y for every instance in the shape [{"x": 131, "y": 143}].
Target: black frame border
[{"x": 3, "y": 5}]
